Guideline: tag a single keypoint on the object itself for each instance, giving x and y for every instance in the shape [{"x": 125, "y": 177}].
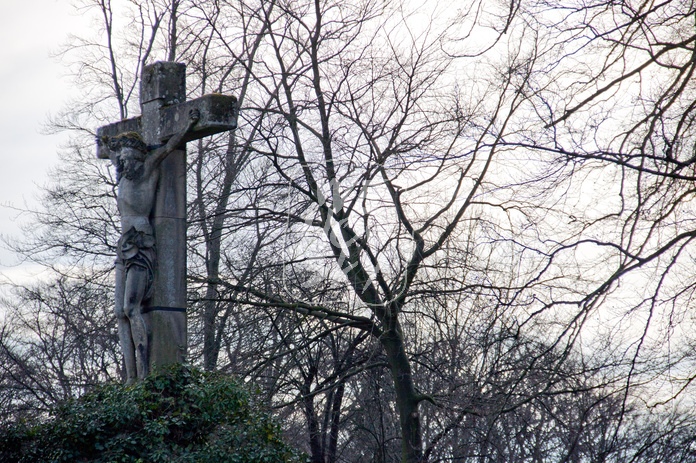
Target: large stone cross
[{"x": 165, "y": 113}]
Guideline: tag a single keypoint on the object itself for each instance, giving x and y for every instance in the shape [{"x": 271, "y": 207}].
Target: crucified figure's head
[{"x": 132, "y": 152}]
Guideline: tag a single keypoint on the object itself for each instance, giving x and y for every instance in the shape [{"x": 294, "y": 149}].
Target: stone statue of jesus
[{"x": 137, "y": 172}]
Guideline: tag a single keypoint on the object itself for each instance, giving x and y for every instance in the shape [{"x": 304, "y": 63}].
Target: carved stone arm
[{"x": 160, "y": 154}]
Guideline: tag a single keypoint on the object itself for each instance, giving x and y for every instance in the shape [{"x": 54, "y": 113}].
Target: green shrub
[{"x": 179, "y": 415}]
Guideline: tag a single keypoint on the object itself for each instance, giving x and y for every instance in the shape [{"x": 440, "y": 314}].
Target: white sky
[{"x": 33, "y": 85}]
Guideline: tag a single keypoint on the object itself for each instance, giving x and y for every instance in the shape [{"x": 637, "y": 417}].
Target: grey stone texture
[{"x": 166, "y": 118}]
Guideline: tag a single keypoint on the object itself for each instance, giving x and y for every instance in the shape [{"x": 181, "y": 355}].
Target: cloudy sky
[{"x": 33, "y": 86}]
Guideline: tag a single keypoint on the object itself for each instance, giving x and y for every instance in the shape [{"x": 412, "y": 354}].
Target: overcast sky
[{"x": 32, "y": 86}]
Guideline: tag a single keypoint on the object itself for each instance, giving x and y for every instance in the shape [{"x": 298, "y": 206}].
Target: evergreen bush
[{"x": 179, "y": 415}]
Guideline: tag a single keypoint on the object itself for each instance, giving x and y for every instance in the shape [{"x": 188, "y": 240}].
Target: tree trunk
[
  {"x": 406, "y": 397},
  {"x": 335, "y": 422},
  {"x": 317, "y": 454}
]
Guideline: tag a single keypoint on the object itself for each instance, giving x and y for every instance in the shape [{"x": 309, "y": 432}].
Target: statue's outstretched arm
[{"x": 160, "y": 154}]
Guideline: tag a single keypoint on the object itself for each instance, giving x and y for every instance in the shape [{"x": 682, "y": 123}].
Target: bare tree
[
  {"x": 57, "y": 340},
  {"x": 361, "y": 131},
  {"x": 620, "y": 110}
]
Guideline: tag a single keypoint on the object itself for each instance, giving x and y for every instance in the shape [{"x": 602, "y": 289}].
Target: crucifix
[{"x": 150, "y": 159}]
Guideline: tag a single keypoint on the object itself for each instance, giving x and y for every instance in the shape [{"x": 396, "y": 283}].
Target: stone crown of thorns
[{"x": 127, "y": 140}]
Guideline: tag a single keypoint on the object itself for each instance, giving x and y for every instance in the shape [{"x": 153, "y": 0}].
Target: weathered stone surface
[
  {"x": 111, "y": 130},
  {"x": 165, "y": 350},
  {"x": 218, "y": 114},
  {"x": 164, "y": 81},
  {"x": 168, "y": 334},
  {"x": 166, "y": 115},
  {"x": 164, "y": 84}
]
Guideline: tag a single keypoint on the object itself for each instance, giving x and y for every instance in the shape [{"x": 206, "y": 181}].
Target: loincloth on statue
[{"x": 137, "y": 248}]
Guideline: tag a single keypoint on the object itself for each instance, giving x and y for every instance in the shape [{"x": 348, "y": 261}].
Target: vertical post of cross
[{"x": 164, "y": 84}]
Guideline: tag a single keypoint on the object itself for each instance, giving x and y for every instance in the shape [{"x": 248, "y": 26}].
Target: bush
[{"x": 179, "y": 415}]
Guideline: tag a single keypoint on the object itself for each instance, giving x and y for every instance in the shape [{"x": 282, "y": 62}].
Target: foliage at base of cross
[{"x": 177, "y": 415}]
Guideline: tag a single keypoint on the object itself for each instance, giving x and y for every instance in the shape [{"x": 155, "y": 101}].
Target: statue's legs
[
  {"x": 135, "y": 288},
  {"x": 124, "y": 329}
]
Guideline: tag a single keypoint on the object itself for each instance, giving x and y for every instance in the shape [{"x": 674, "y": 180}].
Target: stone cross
[{"x": 164, "y": 115}]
